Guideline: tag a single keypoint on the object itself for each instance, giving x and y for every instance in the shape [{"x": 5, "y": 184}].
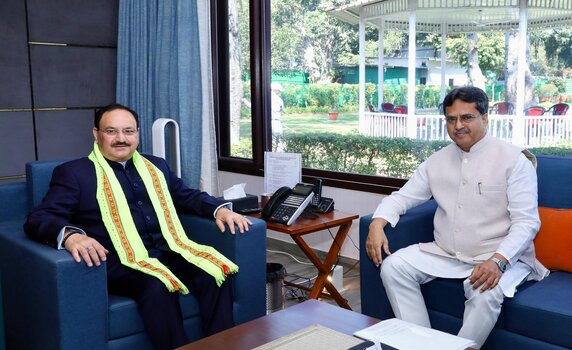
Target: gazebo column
[
  {"x": 443, "y": 61},
  {"x": 518, "y": 128},
  {"x": 361, "y": 67},
  {"x": 411, "y": 118},
  {"x": 380, "y": 64}
]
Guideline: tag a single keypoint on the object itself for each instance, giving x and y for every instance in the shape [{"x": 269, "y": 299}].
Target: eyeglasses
[
  {"x": 114, "y": 132},
  {"x": 465, "y": 118}
]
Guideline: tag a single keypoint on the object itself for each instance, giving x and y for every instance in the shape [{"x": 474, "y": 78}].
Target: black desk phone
[{"x": 286, "y": 204}]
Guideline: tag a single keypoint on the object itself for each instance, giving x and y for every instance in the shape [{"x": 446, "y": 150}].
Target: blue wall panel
[
  {"x": 74, "y": 22},
  {"x": 16, "y": 142},
  {"x": 65, "y": 76},
  {"x": 14, "y": 67},
  {"x": 64, "y": 134}
]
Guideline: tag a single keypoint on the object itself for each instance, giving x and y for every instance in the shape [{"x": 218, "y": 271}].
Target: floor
[{"x": 300, "y": 270}]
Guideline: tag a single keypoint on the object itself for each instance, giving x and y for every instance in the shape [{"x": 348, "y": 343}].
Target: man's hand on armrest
[
  {"x": 86, "y": 248},
  {"x": 377, "y": 240},
  {"x": 226, "y": 216}
]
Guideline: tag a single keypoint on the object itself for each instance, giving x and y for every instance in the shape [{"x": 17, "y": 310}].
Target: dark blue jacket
[{"x": 71, "y": 201}]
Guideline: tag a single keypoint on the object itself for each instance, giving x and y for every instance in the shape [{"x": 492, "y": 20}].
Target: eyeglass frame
[
  {"x": 465, "y": 118},
  {"x": 115, "y": 132}
]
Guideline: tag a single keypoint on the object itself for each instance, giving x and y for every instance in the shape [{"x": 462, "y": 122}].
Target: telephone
[
  {"x": 317, "y": 198},
  {"x": 320, "y": 204},
  {"x": 286, "y": 204}
]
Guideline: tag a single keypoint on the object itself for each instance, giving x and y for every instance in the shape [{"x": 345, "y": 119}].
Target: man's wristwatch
[{"x": 501, "y": 264}]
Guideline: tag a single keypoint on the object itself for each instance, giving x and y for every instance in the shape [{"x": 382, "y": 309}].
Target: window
[
  {"x": 265, "y": 64},
  {"x": 286, "y": 74}
]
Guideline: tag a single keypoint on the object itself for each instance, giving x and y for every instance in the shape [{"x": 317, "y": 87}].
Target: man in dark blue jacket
[{"x": 120, "y": 207}]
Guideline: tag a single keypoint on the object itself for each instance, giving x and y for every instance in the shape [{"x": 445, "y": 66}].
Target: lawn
[{"x": 310, "y": 123}]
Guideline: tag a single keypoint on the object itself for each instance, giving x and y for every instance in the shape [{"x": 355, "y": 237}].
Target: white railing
[{"x": 527, "y": 131}]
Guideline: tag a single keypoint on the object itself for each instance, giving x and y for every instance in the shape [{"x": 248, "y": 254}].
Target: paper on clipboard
[
  {"x": 408, "y": 336},
  {"x": 281, "y": 169}
]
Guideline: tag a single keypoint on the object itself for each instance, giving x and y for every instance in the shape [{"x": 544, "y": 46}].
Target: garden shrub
[
  {"x": 355, "y": 153},
  {"x": 312, "y": 98}
]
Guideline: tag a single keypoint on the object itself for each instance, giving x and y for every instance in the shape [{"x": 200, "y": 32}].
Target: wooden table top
[
  {"x": 304, "y": 225},
  {"x": 278, "y": 324}
]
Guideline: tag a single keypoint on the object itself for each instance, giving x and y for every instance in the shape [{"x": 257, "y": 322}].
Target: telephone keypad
[
  {"x": 288, "y": 208},
  {"x": 284, "y": 213}
]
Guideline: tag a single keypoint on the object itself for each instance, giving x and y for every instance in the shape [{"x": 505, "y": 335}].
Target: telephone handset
[
  {"x": 320, "y": 204},
  {"x": 286, "y": 204},
  {"x": 317, "y": 198}
]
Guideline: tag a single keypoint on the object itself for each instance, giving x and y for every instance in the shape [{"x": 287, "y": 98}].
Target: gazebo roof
[{"x": 460, "y": 16}]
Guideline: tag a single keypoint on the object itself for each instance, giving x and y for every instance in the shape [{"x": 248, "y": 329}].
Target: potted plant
[{"x": 334, "y": 103}]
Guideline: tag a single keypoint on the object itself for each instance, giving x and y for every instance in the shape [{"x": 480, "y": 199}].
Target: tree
[
  {"x": 305, "y": 38},
  {"x": 474, "y": 72},
  {"x": 511, "y": 71},
  {"x": 235, "y": 70},
  {"x": 558, "y": 46}
]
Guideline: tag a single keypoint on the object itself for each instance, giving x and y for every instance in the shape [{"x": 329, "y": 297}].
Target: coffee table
[{"x": 267, "y": 328}]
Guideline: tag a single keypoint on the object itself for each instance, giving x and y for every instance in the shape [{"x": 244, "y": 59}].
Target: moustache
[
  {"x": 120, "y": 144},
  {"x": 462, "y": 131}
]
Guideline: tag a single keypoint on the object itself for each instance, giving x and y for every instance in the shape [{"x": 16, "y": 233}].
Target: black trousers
[{"x": 160, "y": 309}]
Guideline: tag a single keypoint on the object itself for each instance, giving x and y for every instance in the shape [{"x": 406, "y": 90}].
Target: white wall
[{"x": 361, "y": 203}]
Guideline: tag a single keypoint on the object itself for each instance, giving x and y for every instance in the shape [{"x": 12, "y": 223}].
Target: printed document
[
  {"x": 315, "y": 337},
  {"x": 408, "y": 336},
  {"x": 281, "y": 169}
]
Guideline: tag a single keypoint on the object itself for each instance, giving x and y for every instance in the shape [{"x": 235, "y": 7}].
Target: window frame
[{"x": 260, "y": 73}]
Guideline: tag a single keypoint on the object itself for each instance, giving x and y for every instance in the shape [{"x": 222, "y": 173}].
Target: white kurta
[{"x": 487, "y": 203}]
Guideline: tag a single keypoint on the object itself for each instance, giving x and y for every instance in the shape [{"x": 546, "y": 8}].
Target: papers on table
[
  {"x": 315, "y": 337},
  {"x": 408, "y": 336}
]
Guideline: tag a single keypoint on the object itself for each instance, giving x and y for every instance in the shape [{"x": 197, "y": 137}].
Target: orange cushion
[{"x": 553, "y": 243}]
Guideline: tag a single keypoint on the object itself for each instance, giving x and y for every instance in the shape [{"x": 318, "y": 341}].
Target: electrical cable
[{"x": 290, "y": 255}]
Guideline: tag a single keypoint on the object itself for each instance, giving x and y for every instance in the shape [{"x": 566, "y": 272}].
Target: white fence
[{"x": 527, "y": 131}]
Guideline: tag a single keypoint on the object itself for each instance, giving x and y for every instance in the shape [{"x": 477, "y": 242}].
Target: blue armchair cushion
[{"x": 542, "y": 310}]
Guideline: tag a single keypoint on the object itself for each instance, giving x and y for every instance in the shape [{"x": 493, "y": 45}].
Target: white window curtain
[{"x": 209, "y": 169}]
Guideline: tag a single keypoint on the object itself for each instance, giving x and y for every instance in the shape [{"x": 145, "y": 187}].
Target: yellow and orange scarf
[{"x": 126, "y": 240}]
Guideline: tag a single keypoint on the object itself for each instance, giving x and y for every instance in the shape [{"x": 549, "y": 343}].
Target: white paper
[
  {"x": 408, "y": 336},
  {"x": 375, "y": 346},
  {"x": 315, "y": 337},
  {"x": 234, "y": 192},
  {"x": 281, "y": 169}
]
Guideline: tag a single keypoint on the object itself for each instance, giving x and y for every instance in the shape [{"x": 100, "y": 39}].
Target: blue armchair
[
  {"x": 52, "y": 302},
  {"x": 539, "y": 317}
]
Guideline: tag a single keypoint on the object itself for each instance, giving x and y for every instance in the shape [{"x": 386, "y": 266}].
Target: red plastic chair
[
  {"x": 558, "y": 109},
  {"x": 387, "y": 107},
  {"x": 503, "y": 108},
  {"x": 401, "y": 109},
  {"x": 534, "y": 110}
]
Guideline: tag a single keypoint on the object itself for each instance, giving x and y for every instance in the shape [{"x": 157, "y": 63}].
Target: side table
[{"x": 303, "y": 226}]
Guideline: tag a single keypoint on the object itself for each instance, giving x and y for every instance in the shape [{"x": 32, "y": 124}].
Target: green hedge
[
  {"x": 552, "y": 151},
  {"x": 354, "y": 153},
  {"x": 345, "y": 97}
]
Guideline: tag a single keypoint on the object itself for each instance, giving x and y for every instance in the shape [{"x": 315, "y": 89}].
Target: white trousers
[{"x": 402, "y": 283}]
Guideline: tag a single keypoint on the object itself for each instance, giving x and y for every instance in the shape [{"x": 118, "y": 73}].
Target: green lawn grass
[{"x": 310, "y": 123}]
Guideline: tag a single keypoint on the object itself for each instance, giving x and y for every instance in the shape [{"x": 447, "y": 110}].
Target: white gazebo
[{"x": 451, "y": 17}]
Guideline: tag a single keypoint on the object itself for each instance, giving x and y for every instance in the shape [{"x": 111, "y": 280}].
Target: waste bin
[{"x": 274, "y": 287}]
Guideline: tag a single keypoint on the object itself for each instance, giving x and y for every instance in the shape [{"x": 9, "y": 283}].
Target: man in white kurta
[{"x": 486, "y": 220}]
